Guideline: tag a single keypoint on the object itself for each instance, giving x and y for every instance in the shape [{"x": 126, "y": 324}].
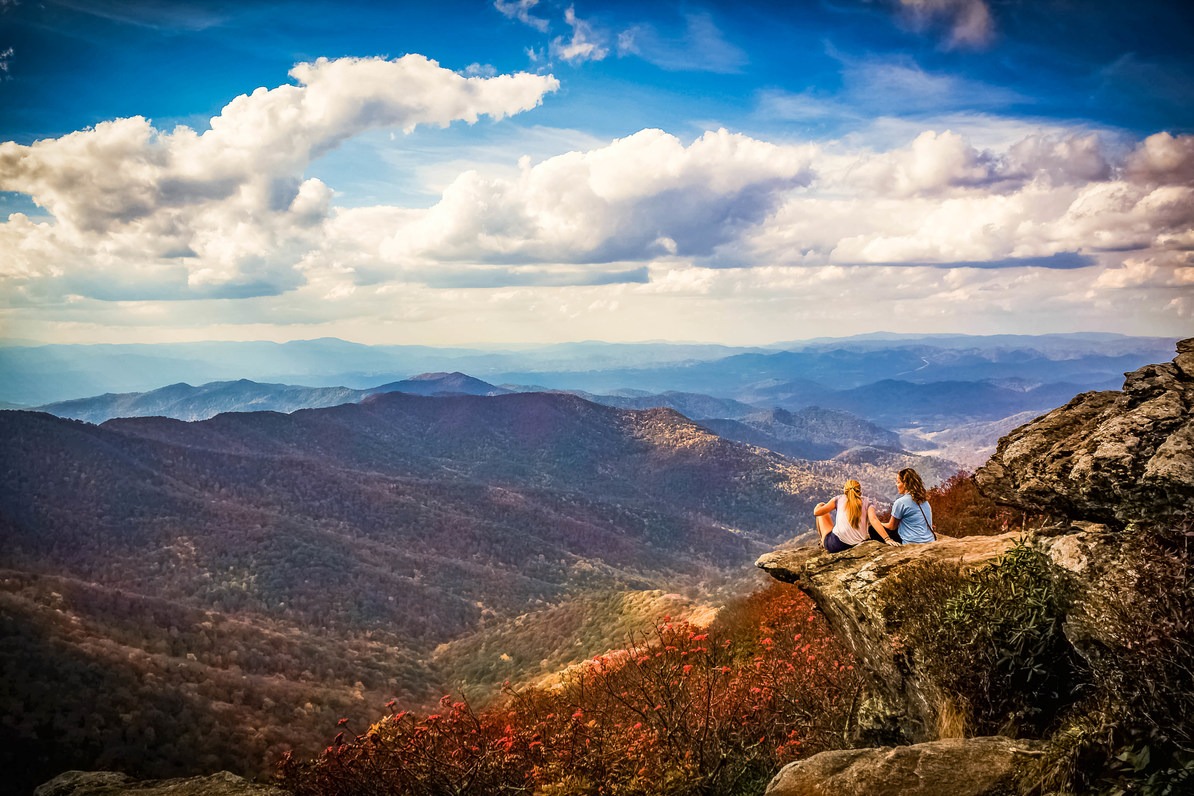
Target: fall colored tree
[{"x": 682, "y": 709}]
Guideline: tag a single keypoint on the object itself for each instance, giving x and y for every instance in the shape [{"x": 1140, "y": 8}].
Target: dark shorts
[
  {"x": 834, "y": 544},
  {"x": 893, "y": 534}
]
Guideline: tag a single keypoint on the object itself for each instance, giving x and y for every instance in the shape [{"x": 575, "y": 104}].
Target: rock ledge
[
  {"x": 110, "y": 783},
  {"x": 953, "y": 767}
]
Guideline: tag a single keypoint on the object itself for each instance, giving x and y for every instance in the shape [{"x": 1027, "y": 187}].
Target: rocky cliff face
[{"x": 1107, "y": 457}]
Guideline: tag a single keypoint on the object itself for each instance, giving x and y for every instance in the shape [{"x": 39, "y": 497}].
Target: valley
[{"x": 271, "y": 573}]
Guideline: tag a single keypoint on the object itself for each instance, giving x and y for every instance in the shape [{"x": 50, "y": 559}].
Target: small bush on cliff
[
  {"x": 993, "y": 642},
  {"x": 685, "y": 710}
]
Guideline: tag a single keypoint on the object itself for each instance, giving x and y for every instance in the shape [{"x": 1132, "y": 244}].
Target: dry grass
[{"x": 951, "y": 718}]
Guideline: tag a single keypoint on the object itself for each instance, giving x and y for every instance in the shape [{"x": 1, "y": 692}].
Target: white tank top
[{"x": 842, "y": 528}]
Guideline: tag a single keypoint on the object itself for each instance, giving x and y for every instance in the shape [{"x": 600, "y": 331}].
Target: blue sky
[{"x": 518, "y": 171}]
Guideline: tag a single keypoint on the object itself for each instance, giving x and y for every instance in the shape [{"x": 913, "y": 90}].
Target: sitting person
[
  {"x": 911, "y": 514},
  {"x": 849, "y": 526}
]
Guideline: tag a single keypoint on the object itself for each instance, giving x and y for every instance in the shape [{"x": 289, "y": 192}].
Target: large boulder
[
  {"x": 858, "y": 591},
  {"x": 1107, "y": 457},
  {"x": 987, "y": 766},
  {"x": 109, "y": 783}
]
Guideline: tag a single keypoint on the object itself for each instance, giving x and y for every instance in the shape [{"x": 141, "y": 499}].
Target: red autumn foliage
[
  {"x": 960, "y": 509},
  {"x": 683, "y": 709}
]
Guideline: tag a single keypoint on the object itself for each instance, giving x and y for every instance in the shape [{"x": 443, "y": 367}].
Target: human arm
[
  {"x": 821, "y": 509},
  {"x": 897, "y": 513},
  {"x": 880, "y": 527}
]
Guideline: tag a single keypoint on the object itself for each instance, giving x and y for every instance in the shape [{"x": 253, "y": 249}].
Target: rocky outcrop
[
  {"x": 110, "y": 783},
  {"x": 1107, "y": 457},
  {"x": 988, "y": 766},
  {"x": 856, "y": 592}
]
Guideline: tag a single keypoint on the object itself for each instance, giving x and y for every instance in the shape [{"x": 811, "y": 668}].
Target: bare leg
[{"x": 824, "y": 527}]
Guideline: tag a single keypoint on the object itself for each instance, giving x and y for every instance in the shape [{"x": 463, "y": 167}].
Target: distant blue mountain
[
  {"x": 691, "y": 405},
  {"x": 440, "y": 384},
  {"x": 184, "y": 402},
  {"x": 35, "y": 375},
  {"x": 810, "y": 433}
]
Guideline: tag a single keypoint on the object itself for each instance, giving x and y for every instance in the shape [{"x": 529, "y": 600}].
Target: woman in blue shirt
[{"x": 911, "y": 514}]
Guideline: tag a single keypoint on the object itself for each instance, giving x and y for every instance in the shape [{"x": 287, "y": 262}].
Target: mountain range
[
  {"x": 810, "y": 433},
  {"x": 184, "y": 402},
  {"x": 37, "y": 375},
  {"x": 237, "y": 584}
]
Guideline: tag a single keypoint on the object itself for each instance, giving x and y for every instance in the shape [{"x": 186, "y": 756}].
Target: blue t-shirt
[{"x": 912, "y": 527}]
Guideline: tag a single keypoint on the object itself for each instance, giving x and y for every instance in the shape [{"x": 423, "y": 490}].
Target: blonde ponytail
[{"x": 853, "y": 491}]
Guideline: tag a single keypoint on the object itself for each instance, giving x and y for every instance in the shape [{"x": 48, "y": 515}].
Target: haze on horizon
[{"x": 531, "y": 171}]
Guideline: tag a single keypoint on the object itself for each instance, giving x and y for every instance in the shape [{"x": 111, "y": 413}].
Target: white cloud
[
  {"x": 521, "y": 10},
  {"x": 969, "y": 22},
  {"x": 885, "y": 102},
  {"x": 638, "y": 198},
  {"x": 229, "y": 208},
  {"x": 903, "y": 87},
  {"x": 1057, "y": 201},
  {"x": 933, "y": 163},
  {"x": 586, "y": 43},
  {"x": 1163, "y": 158},
  {"x": 1163, "y": 270},
  {"x": 480, "y": 70}
]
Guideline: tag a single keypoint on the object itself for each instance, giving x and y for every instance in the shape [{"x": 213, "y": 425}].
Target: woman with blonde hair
[
  {"x": 849, "y": 526},
  {"x": 911, "y": 514}
]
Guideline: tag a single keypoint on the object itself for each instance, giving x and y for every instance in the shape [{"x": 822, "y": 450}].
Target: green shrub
[{"x": 992, "y": 641}]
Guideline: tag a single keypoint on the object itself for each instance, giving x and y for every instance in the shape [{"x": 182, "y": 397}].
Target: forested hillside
[{"x": 260, "y": 572}]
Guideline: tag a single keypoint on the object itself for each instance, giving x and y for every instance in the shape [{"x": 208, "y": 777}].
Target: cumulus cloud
[
  {"x": 229, "y": 206},
  {"x": 640, "y": 197},
  {"x": 969, "y": 22},
  {"x": 521, "y": 10},
  {"x": 1164, "y": 270},
  {"x": 1054, "y": 201},
  {"x": 586, "y": 43},
  {"x": 1163, "y": 158}
]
